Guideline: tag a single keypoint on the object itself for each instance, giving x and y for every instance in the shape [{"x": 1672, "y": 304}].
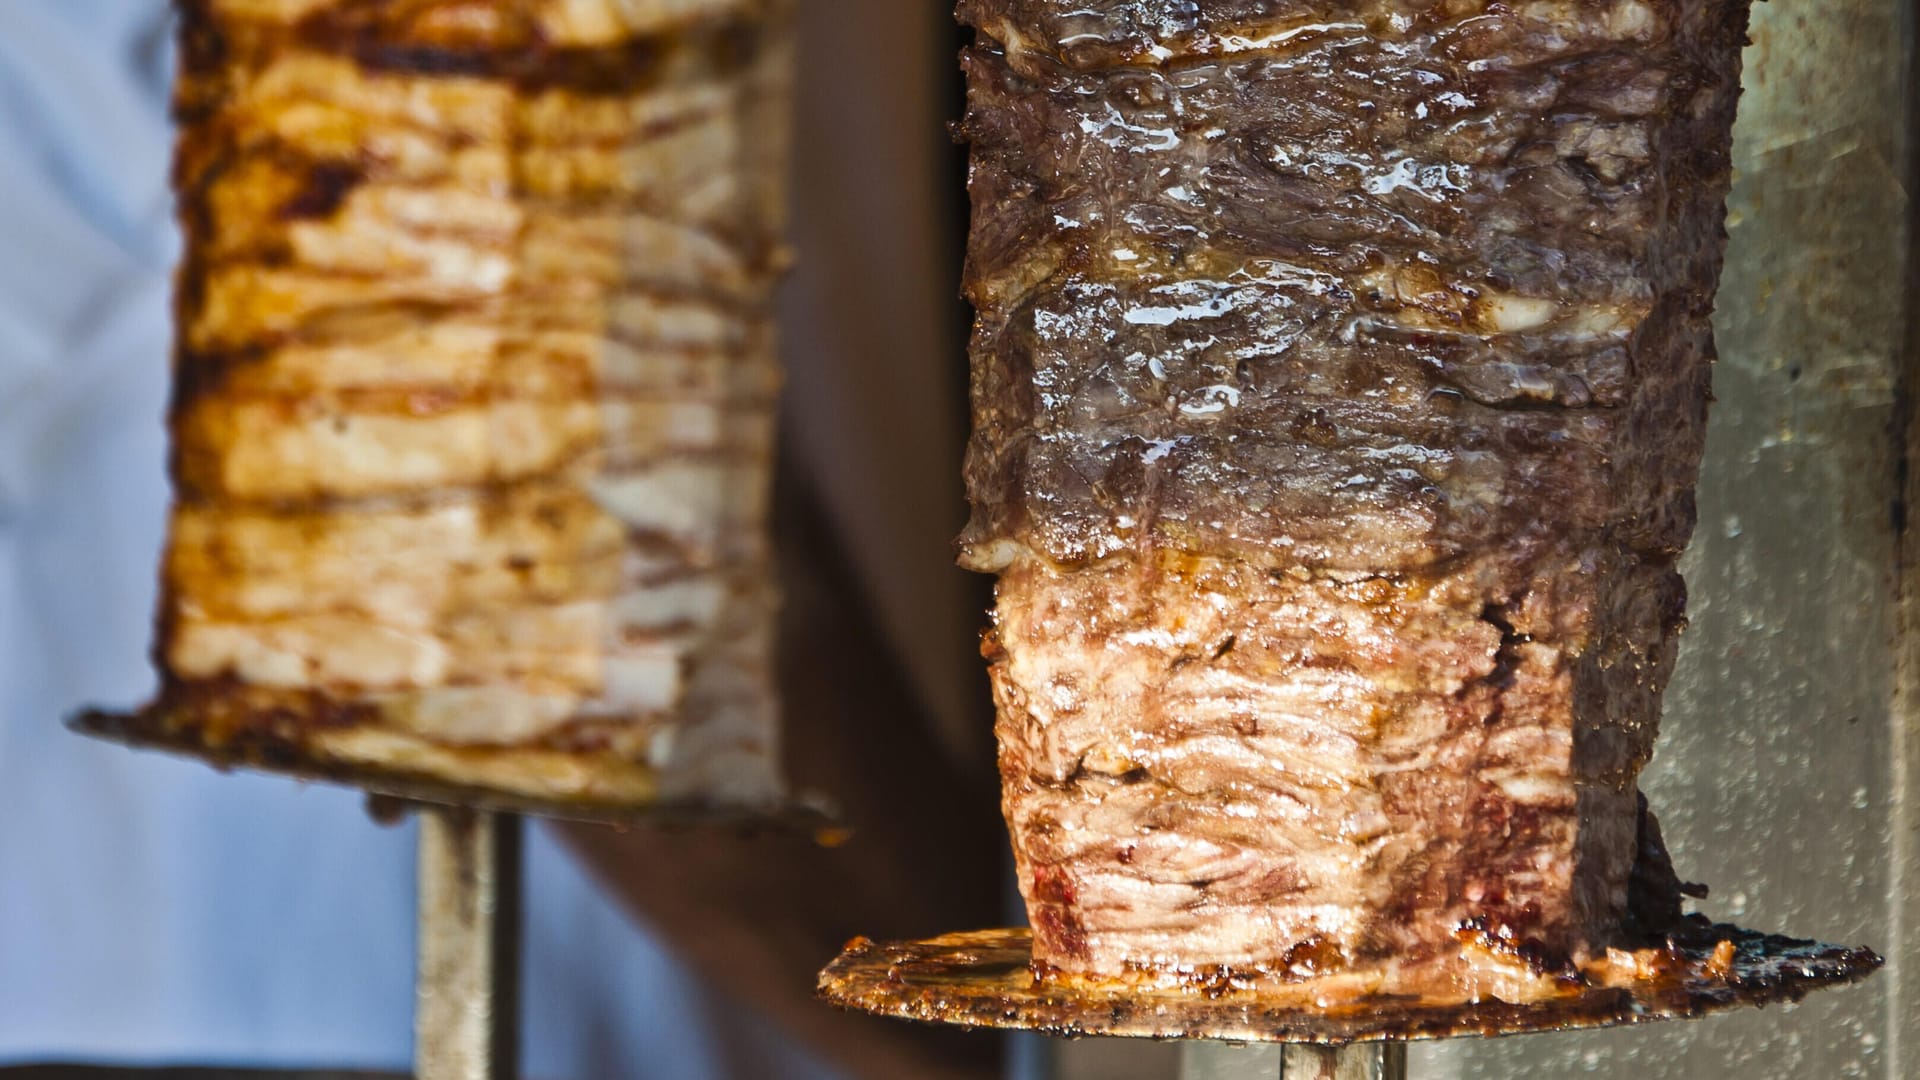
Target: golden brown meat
[{"x": 474, "y": 391}]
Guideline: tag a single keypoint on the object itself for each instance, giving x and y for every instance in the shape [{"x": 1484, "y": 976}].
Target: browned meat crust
[{"x": 1340, "y": 380}]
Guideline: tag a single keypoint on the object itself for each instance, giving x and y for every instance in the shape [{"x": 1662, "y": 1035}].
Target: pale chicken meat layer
[{"x": 475, "y": 389}]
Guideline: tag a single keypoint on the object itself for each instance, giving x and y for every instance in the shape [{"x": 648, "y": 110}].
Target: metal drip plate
[
  {"x": 157, "y": 730},
  {"x": 985, "y": 979}
]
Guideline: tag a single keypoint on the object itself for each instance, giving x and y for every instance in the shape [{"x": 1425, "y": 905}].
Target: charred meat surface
[
  {"x": 1340, "y": 379},
  {"x": 475, "y": 386}
]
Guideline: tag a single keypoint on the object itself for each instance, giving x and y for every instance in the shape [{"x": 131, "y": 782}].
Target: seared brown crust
[
  {"x": 1411, "y": 278},
  {"x": 1340, "y": 381},
  {"x": 474, "y": 388}
]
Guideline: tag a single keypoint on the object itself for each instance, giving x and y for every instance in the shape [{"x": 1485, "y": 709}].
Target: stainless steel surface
[
  {"x": 1776, "y": 776},
  {"x": 467, "y": 1016}
]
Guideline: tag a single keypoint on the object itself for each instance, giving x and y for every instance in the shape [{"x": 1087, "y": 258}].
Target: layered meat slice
[
  {"x": 475, "y": 389},
  {"x": 1340, "y": 380}
]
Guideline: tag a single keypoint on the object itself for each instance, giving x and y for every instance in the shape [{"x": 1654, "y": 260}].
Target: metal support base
[
  {"x": 1225, "y": 1061},
  {"x": 466, "y": 1022},
  {"x": 1374, "y": 1061},
  {"x": 986, "y": 979}
]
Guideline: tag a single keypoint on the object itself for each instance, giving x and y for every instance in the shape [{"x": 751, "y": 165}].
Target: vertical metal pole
[
  {"x": 467, "y": 1008},
  {"x": 1363, "y": 1061},
  {"x": 1224, "y": 1061}
]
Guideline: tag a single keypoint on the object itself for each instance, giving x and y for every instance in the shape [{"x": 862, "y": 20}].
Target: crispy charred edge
[{"x": 385, "y": 38}]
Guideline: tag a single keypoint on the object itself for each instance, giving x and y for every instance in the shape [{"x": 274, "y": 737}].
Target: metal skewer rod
[
  {"x": 466, "y": 1022},
  {"x": 1361, "y": 1061}
]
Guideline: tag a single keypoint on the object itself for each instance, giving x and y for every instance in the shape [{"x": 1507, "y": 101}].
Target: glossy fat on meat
[
  {"x": 1340, "y": 380},
  {"x": 475, "y": 389}
]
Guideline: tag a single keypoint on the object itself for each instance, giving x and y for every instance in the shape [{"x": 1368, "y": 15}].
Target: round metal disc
[
  {"x": 149, "y": 730},
  {"x": 985, "y": 979}
]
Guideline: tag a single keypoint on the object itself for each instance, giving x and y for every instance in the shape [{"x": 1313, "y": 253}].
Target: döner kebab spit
[
  {"x": 1339, "y": 380},
  {"x": 474, "y": 392}
]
